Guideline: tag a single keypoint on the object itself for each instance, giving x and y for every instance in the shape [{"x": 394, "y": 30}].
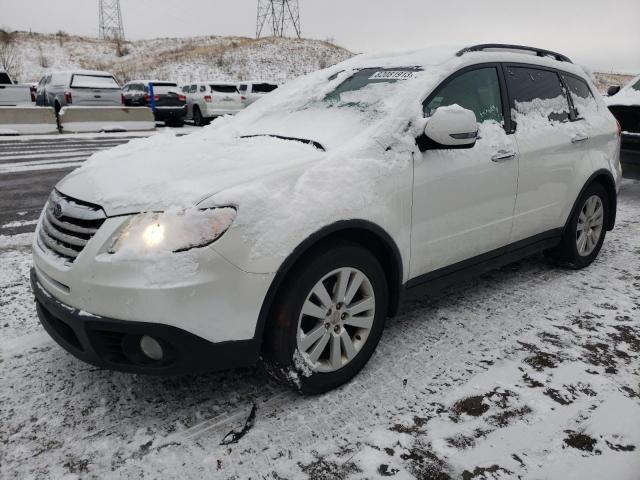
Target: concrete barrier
[
  {"x": 105, "y": 119},
  {"x": 27, "y": 120}
]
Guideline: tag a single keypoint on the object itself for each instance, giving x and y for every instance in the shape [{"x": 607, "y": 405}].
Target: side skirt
[{"x": 444, "y": 277}]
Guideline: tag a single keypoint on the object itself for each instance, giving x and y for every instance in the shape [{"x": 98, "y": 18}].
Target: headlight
[{"x": 173, "y": 231}]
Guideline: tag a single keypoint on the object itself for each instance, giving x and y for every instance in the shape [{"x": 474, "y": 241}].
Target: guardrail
[{"x": 27, "y": 120}]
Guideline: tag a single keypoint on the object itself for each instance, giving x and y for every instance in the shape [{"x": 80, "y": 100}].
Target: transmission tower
[
  {"x": 110, "y": 20},
  {"x": 277, "y": 17}
]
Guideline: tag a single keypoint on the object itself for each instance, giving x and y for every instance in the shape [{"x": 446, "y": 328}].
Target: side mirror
[
  {"x": 612, "y": 90},
  {"x": 451, "y": 127}
]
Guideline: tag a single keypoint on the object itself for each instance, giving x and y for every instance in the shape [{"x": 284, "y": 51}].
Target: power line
[
  {"x": 278, "y": 17},
  {"x": 110, "y": 23}
]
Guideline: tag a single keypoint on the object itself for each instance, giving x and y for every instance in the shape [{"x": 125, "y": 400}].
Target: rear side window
[
  {"x": 203, "y": 88},
  {"x": 476, "y": 90},
  {"x": 243, "y": 88},
  {"x": 224, "y": 88},
  {"x": 4, "y": 79},
  {"x": 263, "y": 87},
  {"x": 581, "y": 96},
  {"x": 536, "y": 95},
  {"x": 636, "y": 86},
  {"x": 94, "y": 81}
]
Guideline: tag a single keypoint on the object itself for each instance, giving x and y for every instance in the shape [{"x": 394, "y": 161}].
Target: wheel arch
[
  {"x": 605, "y": 178},
  {"x": 365, "y": 233}
]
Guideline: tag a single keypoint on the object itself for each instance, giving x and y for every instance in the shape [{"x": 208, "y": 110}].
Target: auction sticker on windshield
[{"x": 392, "y": 75}]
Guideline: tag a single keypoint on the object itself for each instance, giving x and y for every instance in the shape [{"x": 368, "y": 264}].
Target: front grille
[{"x": 67, "y": 225}]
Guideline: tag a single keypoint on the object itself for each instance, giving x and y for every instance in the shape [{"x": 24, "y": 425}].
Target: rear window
[
  {"x": 581, "y": 95},
  {"x": 4, "y": 79},
  {"x": 165, "y": 89},
  {"x": 94, "y": 81},
  {"x": 537, "y": 93},
  {"x": 224, "y": 88},
  {"x": 263, "y": 87}
]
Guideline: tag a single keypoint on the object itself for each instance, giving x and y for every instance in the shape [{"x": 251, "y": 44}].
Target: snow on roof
[
  {"x": 152, "y": 81},
  {"x": 81, "y": 72}
]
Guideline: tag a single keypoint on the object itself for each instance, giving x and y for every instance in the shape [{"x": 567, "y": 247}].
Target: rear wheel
[
  {"x": 585, "y": 232},
  {"x": 197, "y": 117},
  {"x": 328, "y": 318}
]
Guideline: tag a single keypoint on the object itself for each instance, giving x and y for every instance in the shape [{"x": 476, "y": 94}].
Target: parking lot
[{"x": 519, "y": 374}]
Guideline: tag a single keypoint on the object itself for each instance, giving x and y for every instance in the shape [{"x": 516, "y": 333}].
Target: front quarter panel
[{"x": 277, "y": 215}]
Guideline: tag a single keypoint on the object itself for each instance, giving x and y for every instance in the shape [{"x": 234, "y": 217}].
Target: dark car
[
  {"x": 169, "y": 104},
  {"x": 624, "y": 103}
]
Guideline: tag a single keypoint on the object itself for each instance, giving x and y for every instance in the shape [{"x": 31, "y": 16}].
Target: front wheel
[
  {"x": 584, "y": 235},
  {"x": 328, "y": 318}
]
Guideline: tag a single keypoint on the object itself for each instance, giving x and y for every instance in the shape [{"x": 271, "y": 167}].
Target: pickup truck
[{"x": 11, "y": 94}]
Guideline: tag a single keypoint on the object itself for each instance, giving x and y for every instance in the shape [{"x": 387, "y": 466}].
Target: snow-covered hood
[{"x": 164, "y": 171}]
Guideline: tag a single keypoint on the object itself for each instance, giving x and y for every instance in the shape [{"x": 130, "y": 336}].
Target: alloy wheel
[
  {"x": 589, "y": 228},
  {"x": 336, "y": 319}
]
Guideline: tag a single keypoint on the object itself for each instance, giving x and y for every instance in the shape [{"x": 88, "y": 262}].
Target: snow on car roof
[
  {"x": 82, "y": 72},
  {"x": 152, "y": 81}
]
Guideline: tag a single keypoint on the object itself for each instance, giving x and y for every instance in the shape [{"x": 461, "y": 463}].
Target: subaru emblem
[{"x": 57, "y": 210}]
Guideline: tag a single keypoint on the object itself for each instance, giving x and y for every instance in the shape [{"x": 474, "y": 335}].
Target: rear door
[
  {"x": 550, "y": 148},
  {"x": 96, "y": 90},
  {"x": 225, "y": 97}
]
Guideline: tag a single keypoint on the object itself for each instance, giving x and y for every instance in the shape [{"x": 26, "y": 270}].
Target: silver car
[{"x": 78, "y": 87}]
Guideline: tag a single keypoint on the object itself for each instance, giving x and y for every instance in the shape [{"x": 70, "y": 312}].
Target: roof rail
[{"x": 540, "y": 52}]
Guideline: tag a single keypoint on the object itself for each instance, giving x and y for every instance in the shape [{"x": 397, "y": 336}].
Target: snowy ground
[{"x": 528, "y": 372}]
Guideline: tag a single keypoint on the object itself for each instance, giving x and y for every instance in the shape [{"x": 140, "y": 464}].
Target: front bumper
[{"x": 115, "y": 344}]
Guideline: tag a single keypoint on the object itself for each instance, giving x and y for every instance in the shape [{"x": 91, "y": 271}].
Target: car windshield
[
  {"x": 367, "y": 88},
  {"x": 94, "y": 81}
]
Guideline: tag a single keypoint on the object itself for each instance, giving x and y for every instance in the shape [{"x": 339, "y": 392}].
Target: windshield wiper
[{"x": 293, "y": 139}]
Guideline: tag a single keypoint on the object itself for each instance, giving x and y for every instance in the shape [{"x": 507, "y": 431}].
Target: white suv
[
  {"x": 293, "y": 230},
  {"x": 254, "y": 90},
  {"x": 207, "y": 100}
]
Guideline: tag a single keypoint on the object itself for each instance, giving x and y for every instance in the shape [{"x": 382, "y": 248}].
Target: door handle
[
  {"x": 503, "y": 156},
  {"x": 579, "y": 139}
]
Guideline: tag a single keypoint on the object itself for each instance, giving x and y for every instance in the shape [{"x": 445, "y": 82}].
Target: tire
[
  {"x": 197, "y": 117},
  {"x": 585, "y": 232},
  {"x": 306, "y": 361}
]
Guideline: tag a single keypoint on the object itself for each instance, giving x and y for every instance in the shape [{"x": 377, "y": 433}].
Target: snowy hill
[
  {"x": 178, "y": 59},
  {"x": 186, "y": 59}
]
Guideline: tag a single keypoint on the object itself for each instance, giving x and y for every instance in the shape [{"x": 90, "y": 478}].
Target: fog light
[{"x": 151, "y": 348}]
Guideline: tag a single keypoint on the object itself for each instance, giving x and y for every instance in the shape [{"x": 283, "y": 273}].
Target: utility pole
[
  {"x": 110, "y": 20},
  {"x": 277, "y": 17}
]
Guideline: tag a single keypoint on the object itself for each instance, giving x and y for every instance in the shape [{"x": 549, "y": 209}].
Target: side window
[
  {"x": 476, "y": 90},
  {"x": 583, "y": 99},
  {"x": 536, "y": 94},
  {"x": 126, "y": 88},
  {"x": 243, "y": 88},
  {"x": 193, "y": 88},
  {"x": 636, "y": 86},
  {"x": 203, "y": 88}
]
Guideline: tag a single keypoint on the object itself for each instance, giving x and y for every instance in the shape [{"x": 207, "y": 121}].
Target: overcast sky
[{"x": 602, "y": 35}]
